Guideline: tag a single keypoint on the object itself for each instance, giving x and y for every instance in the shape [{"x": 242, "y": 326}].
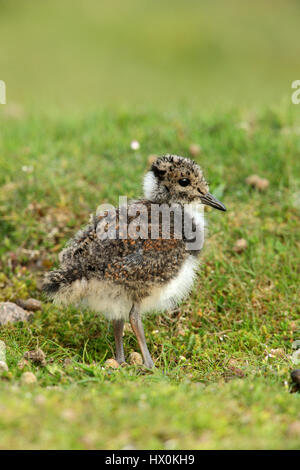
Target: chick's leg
[
  {"x": 118, "y": 332},
  {"x": 137, "y": 326}
]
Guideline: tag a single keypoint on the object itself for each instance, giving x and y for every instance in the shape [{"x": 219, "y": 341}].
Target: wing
[
  {"x": 146, "y": 261},
  {"x": 111, "y": 248}
]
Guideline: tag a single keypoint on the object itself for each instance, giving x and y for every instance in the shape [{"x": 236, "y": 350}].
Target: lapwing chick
[{"x": 141, "y": 257}]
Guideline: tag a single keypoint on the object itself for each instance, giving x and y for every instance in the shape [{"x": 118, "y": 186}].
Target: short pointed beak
[{"x": 212, "y": 201}]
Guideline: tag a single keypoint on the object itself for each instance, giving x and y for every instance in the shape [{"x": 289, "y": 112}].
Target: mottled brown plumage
[{"x": 124, "y": 277}]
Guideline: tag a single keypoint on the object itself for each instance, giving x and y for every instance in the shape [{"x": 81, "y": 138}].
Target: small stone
[
  {"x": 22, "y": 363},
  {"x": 295, "y": 375},
  {"x": 295, "y": 357},
  {"x": 181, "y": 332},
  {"x": 40, "y": 400},
  {"x": 262, "y": 184},
  {"x": 252, "y": 180},
  {"x": 240, "y": 245},
  {"x": 293, "y": 325},
  {"x": 37, "y": 356},
  {"x": 257, "y": 182},
  {"x": 278, "y": 352},
  {"x": 112, "y": 363},
  {"x": 294, "y": 429},
  {"x": 10, "y": 313},
  {"x": 68, "y": 414},
  {"x": 28, "y": 378},
  {"x": 29, "y": 304},
  {"x": 67, "y": 362},
  {"x": 3, "y": 366},
  {"x": 129, "y": 447},
  {"x": 170, "y": 444},
  {"x": 194, "y": 149},
  {"x": 135, "y": 358},
  {"x": 2, "y": 351}
]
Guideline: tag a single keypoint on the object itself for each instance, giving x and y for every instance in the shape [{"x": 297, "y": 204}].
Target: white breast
[{"x": 170, "y": 294}]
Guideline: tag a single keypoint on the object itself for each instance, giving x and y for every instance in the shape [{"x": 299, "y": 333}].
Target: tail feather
[{"x": 54, "y": 281}]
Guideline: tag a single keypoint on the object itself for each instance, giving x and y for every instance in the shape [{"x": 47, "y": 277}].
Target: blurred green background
[
  {"x": 84, "y": 79},
  {"x": 71, "y": 54}
]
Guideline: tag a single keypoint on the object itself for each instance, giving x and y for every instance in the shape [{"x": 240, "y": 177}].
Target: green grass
[
  {"x": 114, "y": 413},
  {"x": 214, "y": 385},
  {"x": 160, "y": 72}
]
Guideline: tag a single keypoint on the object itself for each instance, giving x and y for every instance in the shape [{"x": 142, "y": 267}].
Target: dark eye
[{"x": 184, "y": 182}]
